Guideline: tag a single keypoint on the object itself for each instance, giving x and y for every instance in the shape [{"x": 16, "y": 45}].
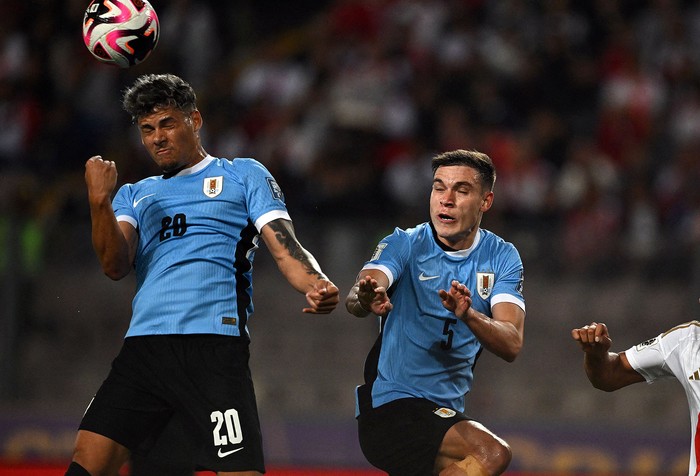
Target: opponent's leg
[
  {"x": 470, "y": 449},
  {"x": 97, "y": 455}
]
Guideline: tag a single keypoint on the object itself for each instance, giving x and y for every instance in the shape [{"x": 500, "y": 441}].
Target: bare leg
[
  {"x": 99, "y": 455},
  {"x": 469, "y": 466},
  {"x": 470, "y": 449}
]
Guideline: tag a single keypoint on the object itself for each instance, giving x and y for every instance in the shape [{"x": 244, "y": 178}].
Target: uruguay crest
[
  {"x": 444, "y": 412},
  {"x": 213, "y": 186},
  {"x": 484, "y": 283}
]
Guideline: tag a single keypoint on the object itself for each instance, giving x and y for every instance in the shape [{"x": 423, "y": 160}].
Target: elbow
[
  {"x": 348, "y": 306},
  {"x": 602, "y": 381},
  {"x": 604, "y": 386},
  {"x": 352, "y": 305},
  {"x": 115, "y": 274},
  {"x": 510, "y": 354}
]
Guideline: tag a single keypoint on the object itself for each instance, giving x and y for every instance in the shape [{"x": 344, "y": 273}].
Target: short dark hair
[
  {"x": 479, "y": 161},
  {"x": 152, "y": 91}
]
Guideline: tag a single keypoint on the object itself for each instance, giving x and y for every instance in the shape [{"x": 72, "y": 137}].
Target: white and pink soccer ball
[{"x": 120, "y": 32}]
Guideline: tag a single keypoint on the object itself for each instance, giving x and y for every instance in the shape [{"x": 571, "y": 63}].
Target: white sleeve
[{"x": 650, "y": 357}]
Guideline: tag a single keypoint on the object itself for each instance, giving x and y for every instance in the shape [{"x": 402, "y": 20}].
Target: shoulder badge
[
  {"x": 646, "y": 343},
  {"x": 378, "y": 251},
  {"x": 275, "y": 189}
]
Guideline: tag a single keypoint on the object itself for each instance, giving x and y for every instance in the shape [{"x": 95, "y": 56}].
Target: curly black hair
[{"x": 153, "y": 91}]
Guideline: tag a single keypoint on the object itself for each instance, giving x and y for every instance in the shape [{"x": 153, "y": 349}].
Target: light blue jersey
[
  {"x": 198, "y": 232},
  {"x": 423, "y": 350}
]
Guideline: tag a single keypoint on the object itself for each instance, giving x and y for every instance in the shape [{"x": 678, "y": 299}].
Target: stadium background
[{"x": 591, "y": 110}]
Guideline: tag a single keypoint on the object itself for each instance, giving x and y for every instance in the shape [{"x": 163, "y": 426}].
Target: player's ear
[
  {"x": 196, "y": 120},
  {"x": 487, "y": 201}
]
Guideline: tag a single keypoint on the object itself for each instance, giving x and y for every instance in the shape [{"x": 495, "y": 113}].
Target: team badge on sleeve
[
  {"x": 646, "y": 343},
  {"x": 378, "y": 251},
  {"x": 213, "y": 186},
  {"x": 484, "y": 284},
  {"x": 275, "y": 189}
]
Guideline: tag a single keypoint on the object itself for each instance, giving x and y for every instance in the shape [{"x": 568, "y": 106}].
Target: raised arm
[
  {"x": 606, "y": 370},
  {"x": 299, "y": 267},
  {"x": 114, "y": 243},
  {"x": 501, "y": 334}
]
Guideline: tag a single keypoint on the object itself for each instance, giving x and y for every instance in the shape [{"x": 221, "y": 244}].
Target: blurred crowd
[{"x": 590, "y": 109}]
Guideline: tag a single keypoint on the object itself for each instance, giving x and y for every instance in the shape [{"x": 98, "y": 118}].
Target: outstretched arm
[
  {"x": 606, "y": 370},
  {"x": 299, "y": 267},
  {"x": 501, "y": 334},
  {"x": 369, "y": 294},
  {"x": 114, "y": 243}
]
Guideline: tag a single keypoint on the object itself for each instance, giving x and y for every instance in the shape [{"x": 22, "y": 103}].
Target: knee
[
  {"x": 469, "y": 441},
  {"x": 494, "y": 456},
  {"x": 499, "y": 456},
  {"x": 490, "y": 461}
]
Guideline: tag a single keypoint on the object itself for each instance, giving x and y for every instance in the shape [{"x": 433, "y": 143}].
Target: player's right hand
[
  {"x": 593, "y": 338},
  {"x": 323, "y": 299},
  {"x": 373, "y": 297},
  {"x": 100, "y": 177}
]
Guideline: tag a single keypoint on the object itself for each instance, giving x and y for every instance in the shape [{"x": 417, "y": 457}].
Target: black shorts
[
  {"x": 203, "y": 380},
  {"x": 403, "y": 437}
]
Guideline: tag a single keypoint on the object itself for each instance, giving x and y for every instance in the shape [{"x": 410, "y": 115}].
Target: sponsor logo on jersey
[
  {"x": 213, "y": 186},
  {"x": 484, "y": 283},
  {"x": 445, "y": 412},
  {"x": 695, "y": 375},
  {"x": 423, "y": 277},
  {"x": 646, "y": 343},
  {"x": 378, "y": 251},
  {"x": 275, "y": 189}
]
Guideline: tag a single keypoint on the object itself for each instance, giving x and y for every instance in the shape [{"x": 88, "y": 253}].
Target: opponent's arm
[
  {"x": 114, "y": 243},
  {"x": 606, "y": 370},
  {"x": 369, "y": 294},
  {"x": 299, "y": 267},
  {"x": 502, "y": 333}
]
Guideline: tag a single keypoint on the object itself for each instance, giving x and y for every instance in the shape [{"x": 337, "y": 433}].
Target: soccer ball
[{"x": 120, "y": 32}]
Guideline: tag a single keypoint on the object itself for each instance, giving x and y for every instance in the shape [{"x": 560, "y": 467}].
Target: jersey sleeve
[
  {"x": 263, "y": 195},
  {"x": 391, "y": 255},
  {"x": 509, "y": 285},
  {"x": 122, "y": 205},
  {"x": 650, "y": 358}
]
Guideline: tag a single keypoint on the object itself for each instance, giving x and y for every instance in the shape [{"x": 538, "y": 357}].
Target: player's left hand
[
  {"x": 323, "y": 298},
  {"x": 458, "y": 299}
]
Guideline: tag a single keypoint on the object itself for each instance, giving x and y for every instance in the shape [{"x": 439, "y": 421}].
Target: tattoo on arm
[{"x": 285, "y": 236}]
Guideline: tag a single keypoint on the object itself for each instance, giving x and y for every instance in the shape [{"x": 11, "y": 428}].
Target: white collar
[{"x": 201, "y": 165}]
